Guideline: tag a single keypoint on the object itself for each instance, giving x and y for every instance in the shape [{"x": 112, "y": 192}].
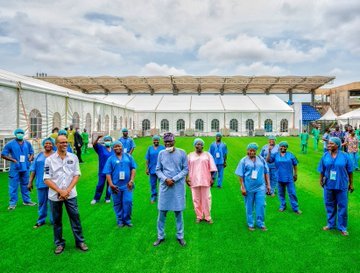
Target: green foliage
[{"x": 293, "y": 243}]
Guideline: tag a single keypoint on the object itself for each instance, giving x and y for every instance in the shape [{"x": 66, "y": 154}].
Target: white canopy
[
  {"x": 329, "y": 115},
  {"x": 355, "y": 114}
]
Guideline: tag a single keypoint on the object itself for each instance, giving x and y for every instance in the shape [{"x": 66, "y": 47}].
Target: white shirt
[{"x": 61, "y": 172}]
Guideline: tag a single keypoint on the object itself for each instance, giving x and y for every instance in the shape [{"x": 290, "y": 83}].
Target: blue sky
[{"x": 187, "y": 37}]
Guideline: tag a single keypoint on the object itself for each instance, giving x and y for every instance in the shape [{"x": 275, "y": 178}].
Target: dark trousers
[
  {"x": 78, "y": 153},
  {"x": 74, "y": 217},
  {"x": 100, "y": 187}
]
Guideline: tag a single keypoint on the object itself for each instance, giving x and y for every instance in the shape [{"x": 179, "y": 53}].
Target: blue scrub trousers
[
  {"x": 273, "y": 180},
  {"x": 355, "y": 160},
  {"x": 123, "y": 206},
  {"x": 257, "y": 199},
  {"x": 336, "y": 203},
  {"x": 16, "y": 179},
  {"x": 179, "y": 224},
  {"x": 100, "y": 187},
  {"x": 153, "y": 183},
  {"x": 219, "y": 174},
  {"x": 73, "y": 213},
  {"x": 43, "y": 205},
  {"x": 290, "y": 186}
]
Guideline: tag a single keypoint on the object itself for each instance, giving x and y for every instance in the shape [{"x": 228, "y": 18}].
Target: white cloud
[
  {"x": 152, "y": 69},
  {"x": 260, "y": 69}
]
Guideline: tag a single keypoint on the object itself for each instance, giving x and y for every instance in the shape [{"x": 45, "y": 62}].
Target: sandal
[
  {"x": 344, "y": 233},
  {"x": 326, "y": 228},
  {"x": 37, "y": 225}
]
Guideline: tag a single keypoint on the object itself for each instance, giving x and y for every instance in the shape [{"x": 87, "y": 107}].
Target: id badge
[
  {"x": 217, "y": 155},
  {"x": 22, "y": 158},
  {"x": 254, "y": 174},
  {"x": 121, "y": 175},
  {"x": 332, "y": 175},
  {"x": 125, "y": 150}
]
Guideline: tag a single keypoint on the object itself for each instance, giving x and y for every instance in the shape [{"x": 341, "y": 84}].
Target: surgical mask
[
  {"x": 169, "y": 149},
  {"x": 20, "y": 136},
  {"x": 107, "y": 143}
]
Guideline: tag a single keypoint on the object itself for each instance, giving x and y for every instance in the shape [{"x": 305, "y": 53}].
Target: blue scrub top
[
  {"x": 264, "y": 152},
  {"x": 219, "y": 148},
  {"x": 14, "y": 149},
  {"x": 152, "y": 156},
  {"x": 103, "y": 155},
  {"x": 341, "y": 164},
  {"x": 284, "y": 166},
  {"x": 245, "y": 168},
  {"x": 114, "y": 166},
  {"x": 128, "y": 143},
  {"x": 37, "y": 167}
]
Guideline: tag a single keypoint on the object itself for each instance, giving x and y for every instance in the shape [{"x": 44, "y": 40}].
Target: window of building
[
  {"x": 199, "y": 125},
  {"x": 76, "y": 120},
  {"x": 56, "y": 120},
  {"x": 180, "y": 125},
  {"x": 98, "y": 124},
  {"x": 249, "y": 125},
  {"x": 35, "y": 124},
  {"x": 268, "y": 125},
  {"x": 115, "y": 123},
  {"x": 284, "y": 125},
  {"x": 88, "y": 123},
  {"x": 107, "y": 124},
  {"x": 145, "y": 125},
  {"x": 234, "y": 125},
  {"x": 215, "y": 124},
  {"x": 164, "y": 125}
]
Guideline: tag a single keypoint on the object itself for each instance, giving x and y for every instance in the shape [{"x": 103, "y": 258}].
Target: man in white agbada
[{"x": 171, "y": 168}]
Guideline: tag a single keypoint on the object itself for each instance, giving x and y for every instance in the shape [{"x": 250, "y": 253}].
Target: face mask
[
  {"x": 169, "y": 149},
  {"x": 20, "y": 136},
  {"x": 107, "y": 143}
]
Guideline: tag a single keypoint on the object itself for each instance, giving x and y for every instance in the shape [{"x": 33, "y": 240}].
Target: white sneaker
[
  {"x": 107, "y": 201},
  {"x": 11, "y": 207},
  {"x": 31, "y": 204},
  {"x": 93, "y": 202}
]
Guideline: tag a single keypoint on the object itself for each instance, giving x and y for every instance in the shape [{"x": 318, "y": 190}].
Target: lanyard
[
  {"x": 333, "y": 160},
  {"x": 21, "y": 146}
]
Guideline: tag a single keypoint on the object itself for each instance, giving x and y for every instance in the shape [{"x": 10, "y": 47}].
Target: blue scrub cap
[
  {"x": 155, "y": 137},
  {"x": 62, "y": 133},
  {"x": 252, "y": 145},
  {"x": 107, "y": 138},
  {"x": 283, "y": 144},
  {"x": 48, "y": 139},
  {"x": 198, "y": 140},
  {"x": 336, "y": 140},
  {"x": 117, "y": 142},
  {"x": 19, "y": 131},
  {"x": 124, "y": 130},
  {"x": 218, "y": 134},
  {"x": 272, "y": 137}
]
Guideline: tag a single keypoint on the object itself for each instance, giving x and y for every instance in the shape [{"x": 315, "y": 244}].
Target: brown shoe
[
  {"x": 82, "y": 247},
  {"x": 59, "y": 249}
]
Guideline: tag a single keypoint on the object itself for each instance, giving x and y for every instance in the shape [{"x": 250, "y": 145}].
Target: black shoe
[
  {"x": 82, "y": 247},
  {"x": 59, "y": 249},
  {"x": 181, "y": 242},
  {"x": 158, "y": 242},
  {"x": 37, "y": 225}
]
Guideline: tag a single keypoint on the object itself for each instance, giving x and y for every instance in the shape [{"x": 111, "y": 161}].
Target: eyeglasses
[{"x": 63, "y": 142}]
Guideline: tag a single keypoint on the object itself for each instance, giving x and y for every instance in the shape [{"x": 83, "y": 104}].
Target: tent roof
[
  {"x": 329, "y": 115},
  {"x": 203, "y": 103},
  {"x": 191, "y": 84},
  {"x": 355, "y": 114}
]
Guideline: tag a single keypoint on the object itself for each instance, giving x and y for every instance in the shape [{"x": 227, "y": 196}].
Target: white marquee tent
[
  {"x": 329, "y": 115},
  {"x": 352, "y": 118}
]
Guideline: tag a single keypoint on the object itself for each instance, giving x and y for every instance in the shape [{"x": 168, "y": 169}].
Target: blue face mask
[
  {"x": 107, "y": 143},
  {"x": 20, "y": 136}
]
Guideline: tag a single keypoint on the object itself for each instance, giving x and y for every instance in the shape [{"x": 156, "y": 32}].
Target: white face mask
[{"x": 169, "y": 149}]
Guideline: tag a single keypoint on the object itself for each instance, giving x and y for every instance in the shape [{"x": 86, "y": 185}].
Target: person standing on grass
[
  {"x": 200, "y": 180},
  {"x": 85, "y": 140},
  {"x": 338, "y": 133},
  {"x": 61, "y": 174},
  {"x": 103, "y": 152},
  {"x": 127, "y": 142},
  {"x": 20, "y": 153},
  {"x": 218, "y": 150},
  {"x": 336, "y": 177},
  {"x": 326, "y": 138},
  {"x": 171, "y": 168},
  {"x": 151, "y": 161},
  {"x": 286, "y": 168},
  {"x": 70, "y": 134},
  {"x": 316, "y": 136},
  {"x": 253, "y": 174},
  {"x": 304, "y": 137},
  {"x": 120, "y": 173},
  {"x": 352, "y": 144},
  {"x": 78, "y": 144},
  {"x": 272, "y": 149},
  {"x": 37, "y": 170}
]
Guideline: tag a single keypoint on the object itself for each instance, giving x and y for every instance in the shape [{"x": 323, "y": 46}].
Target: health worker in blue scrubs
[
  {"x": 37, "y": 170},
  {"x": 120, "y": 173},
  {"x": 286, "y": 171},
  {"x": 151, "y": 161},
  {"x": 218, "y": 150},
  {"x": 253, "y": 173},
  {"x": 20, "y": 153},
  {"x": 336, "y": 177},
  {"x": 128, "y": 144},
  {"x": 103, "y": 152},
  {"x": 272, "y": 149}
]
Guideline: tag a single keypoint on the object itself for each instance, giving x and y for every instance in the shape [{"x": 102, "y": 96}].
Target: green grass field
[{"x": 293, "y": 243}]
